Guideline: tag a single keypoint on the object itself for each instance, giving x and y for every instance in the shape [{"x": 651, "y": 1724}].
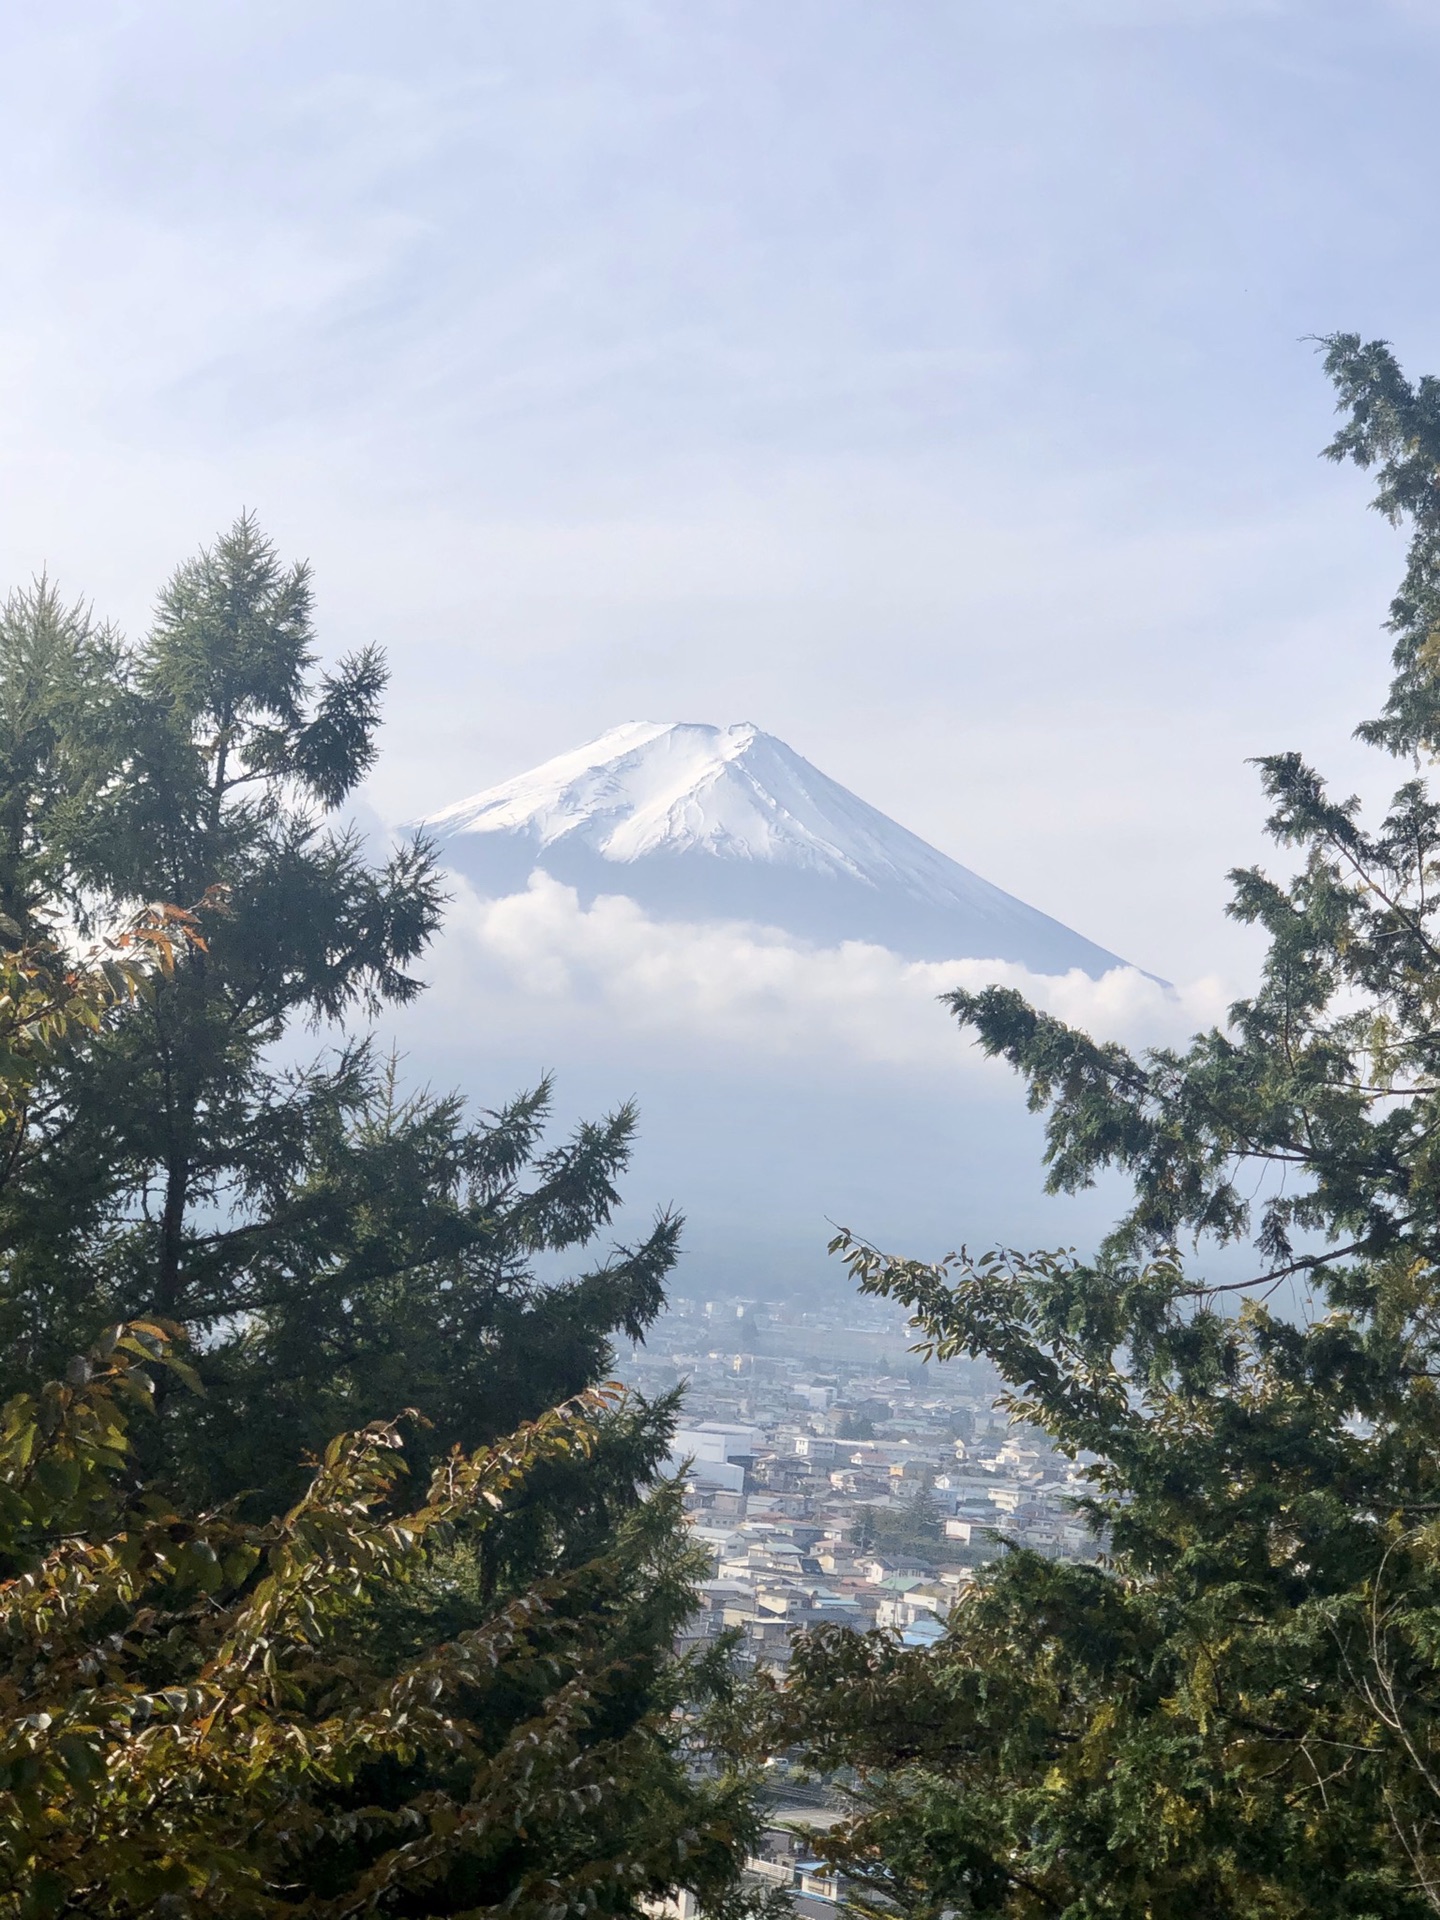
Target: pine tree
[
  {"x": 429, "y": 1670},
  {"x": 1238, "y": 1711},
  {"x": 336, "y": 1248},
  {"x": 58, "y": 678}
]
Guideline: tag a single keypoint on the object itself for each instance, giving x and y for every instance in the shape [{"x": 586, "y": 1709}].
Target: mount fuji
[{"x": 703, "y": 823}]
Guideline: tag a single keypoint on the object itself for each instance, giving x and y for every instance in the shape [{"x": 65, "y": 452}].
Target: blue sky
[{"x": 925, "y": 382}]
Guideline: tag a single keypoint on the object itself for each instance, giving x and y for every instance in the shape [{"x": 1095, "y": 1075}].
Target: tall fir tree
[
  {"x": 336, "y": 1248},
  {"x": 237, "y": 1680},
  {"x": 1237, "y": 1712}
]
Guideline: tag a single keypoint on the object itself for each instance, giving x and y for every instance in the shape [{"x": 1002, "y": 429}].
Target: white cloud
[{"x": 540, "y": 963}]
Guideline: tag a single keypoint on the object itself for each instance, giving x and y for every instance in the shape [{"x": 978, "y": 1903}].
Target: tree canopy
[
  {"x": 337, "y": 1246},
  {"x": 1237, "y": 1711},
  {"x": 206, "y": 1716},
  {"x": 334, "y": 1579}
]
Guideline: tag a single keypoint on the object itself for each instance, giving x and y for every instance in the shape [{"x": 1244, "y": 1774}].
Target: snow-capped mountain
[{"x": 728, "y": 823}]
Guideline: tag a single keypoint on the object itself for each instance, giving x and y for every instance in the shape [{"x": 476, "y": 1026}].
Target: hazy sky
[{"x": 924, "y": 380}]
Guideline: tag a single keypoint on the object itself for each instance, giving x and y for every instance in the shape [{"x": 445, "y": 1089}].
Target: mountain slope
[{"x": 700, "y": 822}]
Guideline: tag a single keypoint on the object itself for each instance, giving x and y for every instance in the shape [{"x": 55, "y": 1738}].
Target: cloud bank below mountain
[
  {"x": 782, "y": 1087},
  {"x": 695, "y": 821},
  {"x": 607, "y": 975}
]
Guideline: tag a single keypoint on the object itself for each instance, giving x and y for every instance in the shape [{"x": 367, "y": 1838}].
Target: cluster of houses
[
  {"x": 803, "y": 1527},
  {"x": 830, "y": 1477}
]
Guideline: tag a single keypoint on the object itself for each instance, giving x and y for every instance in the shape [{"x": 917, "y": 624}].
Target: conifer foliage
[
  {"x": 333, "y": 1578},
  {"x": 336, "y": 1247},
  {"x": 1238, "y": 1711}
]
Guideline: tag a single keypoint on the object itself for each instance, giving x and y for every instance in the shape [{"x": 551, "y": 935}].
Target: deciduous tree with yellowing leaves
[{"x": 201, "y": 1715}]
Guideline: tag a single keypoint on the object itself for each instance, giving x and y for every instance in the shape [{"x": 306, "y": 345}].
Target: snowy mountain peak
[
  {"x": 648, "y": 787},
  {"x": 699, "y": 821}
]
